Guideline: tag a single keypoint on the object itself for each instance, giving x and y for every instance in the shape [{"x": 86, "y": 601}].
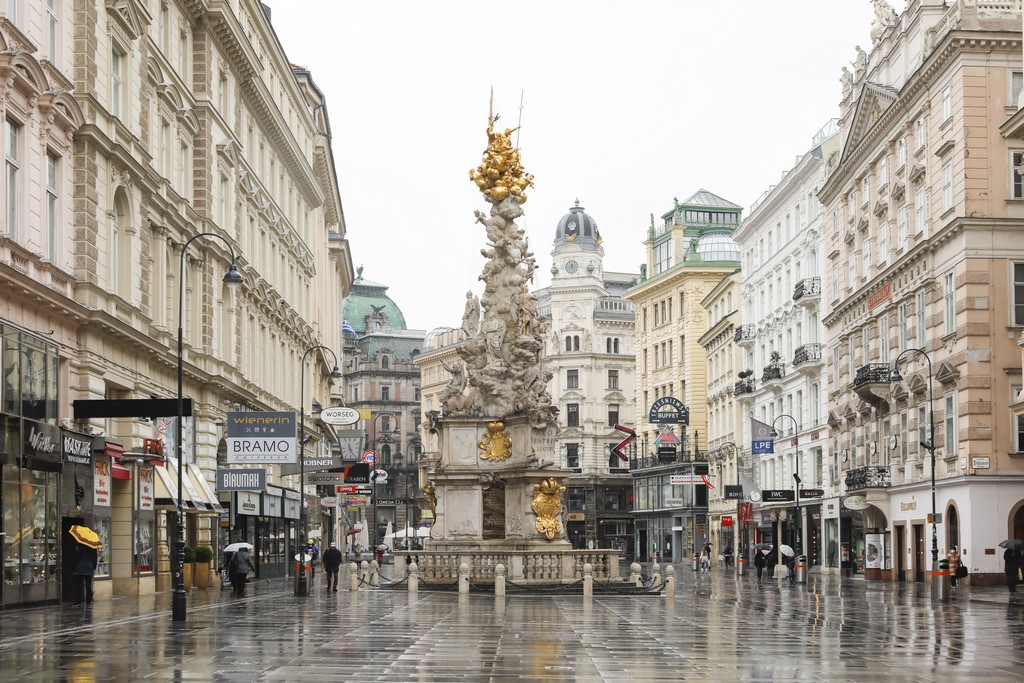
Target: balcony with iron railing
[
  {"x": 807, "y": 291},
  {"x": 868, "y": 478},
  {"x": 744, "y": 386},
  {"x": 772, "y": 373},
  {"x": 872, "y": 382},
  {"x": 745, "y": 334},
  {"x": 808, "y": 355},
  {"x": 682, "y": 456}
]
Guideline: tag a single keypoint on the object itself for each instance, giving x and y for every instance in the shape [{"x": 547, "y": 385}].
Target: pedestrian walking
[
  {"x": 705, "y": 560},
  {"x": 1011, "y": 565},
  {"x": 791, "y": 568},
  {"x": 954, "y": 565},
  {"x": 239, "y": 568},
  {"x": 759, "y": 563},
  {"x": 85, "y": 568},
  {"x": 727, "y": 554},
  {"x": 332, "y": 563},
  {"x": 313, "y": 552},
  {"x": 770, "y": 560}
]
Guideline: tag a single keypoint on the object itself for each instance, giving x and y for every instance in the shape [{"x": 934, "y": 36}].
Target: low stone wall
[{"x": 522, "y": 566}]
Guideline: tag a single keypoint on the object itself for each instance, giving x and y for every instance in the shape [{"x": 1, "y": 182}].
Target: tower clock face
[{"x": 571, "y": 267}]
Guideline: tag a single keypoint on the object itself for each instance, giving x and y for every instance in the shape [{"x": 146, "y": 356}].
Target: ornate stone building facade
[
  {"x": 782, "y": 339},
  {"x": 186, "y": 118},
  {"x": 923, "y": 217},
  {"x": 688, "y": 254},
  {"x": 589, "y": 351}
]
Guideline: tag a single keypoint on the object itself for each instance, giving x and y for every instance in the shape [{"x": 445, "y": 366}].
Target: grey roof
[
  {"x": 578, "y": 225},
  {"x": 704, "y": 198}
]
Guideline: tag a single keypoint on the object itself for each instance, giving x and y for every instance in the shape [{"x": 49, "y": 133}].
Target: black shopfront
[{"x": 267, "y": 521}]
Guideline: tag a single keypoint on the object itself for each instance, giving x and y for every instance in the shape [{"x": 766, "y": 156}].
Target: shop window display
[
  {"x": 102, "y": 527},
  {"x": 142, "y": 558},
  {"x": 30, "y": 527}
]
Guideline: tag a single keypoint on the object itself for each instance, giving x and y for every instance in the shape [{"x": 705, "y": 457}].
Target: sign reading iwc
[{"x": 255, "y": 437}]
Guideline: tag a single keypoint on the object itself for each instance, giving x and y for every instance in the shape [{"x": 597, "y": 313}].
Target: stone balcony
[{"x": 872, "y": 382}]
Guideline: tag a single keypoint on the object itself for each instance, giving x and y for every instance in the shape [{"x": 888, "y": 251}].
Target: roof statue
[
  {"x": 503, "y": 352},
  {"x": 885, "y": 16}
]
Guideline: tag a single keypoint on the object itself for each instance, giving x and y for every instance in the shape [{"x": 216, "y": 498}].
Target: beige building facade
[{"x": 922, "y": 238}]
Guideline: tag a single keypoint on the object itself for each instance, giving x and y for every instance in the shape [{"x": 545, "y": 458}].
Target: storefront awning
[
  {"x": 203, "y": 488},
  {"x": 190, "y": 498},
  {"x": 166, "y": 490},
  {"x": 118, "y": 471}
]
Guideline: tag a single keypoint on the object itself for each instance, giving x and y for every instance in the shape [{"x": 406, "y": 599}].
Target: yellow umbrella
[{"x": 86, "y": 536}]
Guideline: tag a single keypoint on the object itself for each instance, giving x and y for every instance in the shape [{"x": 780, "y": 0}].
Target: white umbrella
[
  {"x": 237, "y": 546},
  {"x": 786, "y": 550}
]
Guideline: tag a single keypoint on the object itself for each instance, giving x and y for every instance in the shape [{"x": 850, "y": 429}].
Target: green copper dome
[{"x": 369, "y": 309}]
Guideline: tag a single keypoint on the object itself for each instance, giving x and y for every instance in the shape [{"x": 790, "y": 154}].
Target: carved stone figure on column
[{"x": 471, "y": 316}]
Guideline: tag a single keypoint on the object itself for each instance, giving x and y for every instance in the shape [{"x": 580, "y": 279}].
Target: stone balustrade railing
[{"x": 522, "y": 566}]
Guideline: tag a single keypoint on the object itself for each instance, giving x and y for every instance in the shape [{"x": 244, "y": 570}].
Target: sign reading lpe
[{"x": 255, "y": 437}]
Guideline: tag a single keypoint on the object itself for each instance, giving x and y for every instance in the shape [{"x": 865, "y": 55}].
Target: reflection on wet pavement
[{"x": 716, "y": 628}]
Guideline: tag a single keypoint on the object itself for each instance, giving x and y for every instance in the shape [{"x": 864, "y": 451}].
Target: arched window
[
  {"x": 615, "y": 346},
  {"x": 384, "y": 363},
  {"x": 385, "y": 454},
  {"x": 576, "y": 342},
  {"x": 953, "y": 527},
  {"x": 568, "y": 343},
  {"x": 608, "y": 345}
]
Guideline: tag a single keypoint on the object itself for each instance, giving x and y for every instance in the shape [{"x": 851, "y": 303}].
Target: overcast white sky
[{"x": 626, "y": 105}]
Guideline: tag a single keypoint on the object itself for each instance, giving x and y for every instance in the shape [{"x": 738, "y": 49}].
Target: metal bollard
[
  {"x": 670, "y": 581},
  {"x": 464, "y": 579},
  {"x": 696, "y": 563},
  {"x": 588, "y": 580},
  {"x": 353, "y": 577},
  {"x": 414, "y": 577},
  {"x": 741, "y": 565},
  {"x": 800, "y": 569},
  {"x": 940, "y": 580},
  {"x": 499, "y": 580}
]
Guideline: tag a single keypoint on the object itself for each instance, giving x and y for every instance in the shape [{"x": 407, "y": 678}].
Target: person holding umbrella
[
  {"x": 85, "y": 562},
  {"x": 1012, "y": 563}
]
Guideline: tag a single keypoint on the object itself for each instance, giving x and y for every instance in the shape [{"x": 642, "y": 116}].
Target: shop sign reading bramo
[{"x": 257, "y": 437}]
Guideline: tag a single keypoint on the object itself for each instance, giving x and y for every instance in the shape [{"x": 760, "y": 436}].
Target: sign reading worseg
[{"x": 257, "y": 437}]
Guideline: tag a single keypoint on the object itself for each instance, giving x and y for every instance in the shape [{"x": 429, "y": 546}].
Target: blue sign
[{"x": 762, "y": 446}]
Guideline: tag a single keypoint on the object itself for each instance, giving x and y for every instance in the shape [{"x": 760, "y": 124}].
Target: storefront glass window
[
  {"x": 30, "y": 525},
  {"x": 142, "y": 557},
  {"x": 10, "y": 387},
  {"x": 102, "y": 527}
]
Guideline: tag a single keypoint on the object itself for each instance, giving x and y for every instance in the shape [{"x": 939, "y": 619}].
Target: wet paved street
[{"x": 717, "y": 628}]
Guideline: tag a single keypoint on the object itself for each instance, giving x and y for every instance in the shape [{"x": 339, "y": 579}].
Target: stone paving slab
[{"x": 717, "y": 628}]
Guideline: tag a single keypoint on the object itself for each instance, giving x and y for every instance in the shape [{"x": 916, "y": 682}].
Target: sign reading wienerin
[{"x": 255, "y": 437}]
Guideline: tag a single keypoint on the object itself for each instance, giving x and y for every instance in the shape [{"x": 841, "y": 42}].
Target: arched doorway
[
  {"x": 952, "y": 527},
  {"x": 1017, "y": 522}
]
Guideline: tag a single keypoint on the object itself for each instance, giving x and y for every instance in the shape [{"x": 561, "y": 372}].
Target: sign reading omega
[{"x": 668, "y": 410}]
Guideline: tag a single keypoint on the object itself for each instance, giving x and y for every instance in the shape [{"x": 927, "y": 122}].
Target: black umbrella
[{"x": 1013, "y": 543}]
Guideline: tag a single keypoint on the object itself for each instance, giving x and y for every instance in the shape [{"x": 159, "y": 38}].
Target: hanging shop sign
[
  {"x": 733, "y": 492},
  {"x": 41, "y": 448},
  {"x": 146, "y": 484},
  {"x": 261, "y": 437},
  {"x": 241, "y": 480},
  {"x": 668, "y": 410},
  {"x": 101, "y": 481},
  {"x": 77, "y": 448},
  {"x": 778, "y": 495},
  {"x": 248, "y": 503},
  {"x": 339, "y": 415}
]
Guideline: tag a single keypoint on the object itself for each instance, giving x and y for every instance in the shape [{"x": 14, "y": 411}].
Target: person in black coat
[
  {"x": 759, "y": 562},
  {"x": 85, "y": 568},
  {"x": 770, "y": 560},
  {"x": 332, "y": 563},
  {"x": 1011, "y": 565}
]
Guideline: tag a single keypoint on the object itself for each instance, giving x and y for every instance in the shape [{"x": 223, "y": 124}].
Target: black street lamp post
[
  {"x": 301, "y": 585},
  {"x": 796, "y": 477},
  {"x": 937, "y": 580},
  {"x": 231, "y": 278}
]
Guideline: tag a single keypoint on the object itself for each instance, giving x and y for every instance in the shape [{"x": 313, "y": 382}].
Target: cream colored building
[
  {"x": 728, "y": 459},
  {"x": 688, "y": 254},
  {"x": 186, "y": 120},
  {"x": 923, "y": 216}
]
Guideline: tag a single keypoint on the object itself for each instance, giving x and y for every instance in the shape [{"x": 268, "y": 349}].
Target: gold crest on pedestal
[
  {"x": 496, "y": 444},
  {"x": 547, "y": 505}
]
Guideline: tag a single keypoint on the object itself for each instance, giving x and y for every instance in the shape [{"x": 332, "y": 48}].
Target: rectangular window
[
  {"x": 854, "y": 343},
  {"x": 883, "y": 242},
  {"x": 904, "y": 437},
  {"x": 921, "y": 308},
  {"x": 865, "y": 190},
  {"x": 922, "y": 426},
  {"x": 901, "y": 153},
  {"x": 223, "y": 208},
  {"x": 572, "y": 458},
  {"x": 572, "y": 379},
  {"x": 385, "y": 393},
  {"x": 183, "y": 168},
  {"x": 572, "y": 415},
  {"x": 901, "y": 226},
  {"x": 51, "y": 29},
  {"x": 883, "y": 337},
  {"x": 165, "y": 149},
  {"x": 116, "y": 82},
  {"x": 1017, "y": 293},
  {"x": 52, "y": 209},
  {"x": 1016, "y": 421},
  {"x": 613, "y": 379},
  {"x": 948, "y": 304},
  {"x": 883, "y": 172},
  {"x": 949, "y": 426},
  {"x": 947, "y": 186},
  {"x": 919, "y": 132},
  {"x": 853, "y": 267},
  {"x": 835, "y": 282},
  {"x": 11, "y": 179},
  {"x": 919, "y": 211},
  {"x": 865, "y": 261},
  {"x": 904, "y": 320},
  {"x": 1019, "y": 422},
  {"x": 1016, "y": 82},
  {"x": 662, "y": 257},
  {"x": 947, "y": 103},
  {"x": 613, "y": 414},
  {"x": 1016, "y": 179}
]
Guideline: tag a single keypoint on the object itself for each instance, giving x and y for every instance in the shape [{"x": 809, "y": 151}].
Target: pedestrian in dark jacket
[
  {"x": 759, "y": 562},
  {"x": 770, "y": 560},
  {"x": 1011, "y": 560},
  {"x": 332, "y": 563},
  {"x": 85, "y": 567},
  {"x": 239, "y": 568}
]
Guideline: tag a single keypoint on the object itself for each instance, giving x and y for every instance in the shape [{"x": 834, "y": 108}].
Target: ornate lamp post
[
  {"x": 301, "y": 586},
  {"x": 796, "y": 478},
  {"x": 231, "y": 278},
  {"x": 894, "y": 376}
]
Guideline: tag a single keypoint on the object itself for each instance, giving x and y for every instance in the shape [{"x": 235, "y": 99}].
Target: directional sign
[{"x": 339, "y": 415}]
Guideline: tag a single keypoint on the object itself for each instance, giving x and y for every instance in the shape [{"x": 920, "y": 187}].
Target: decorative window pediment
[
  {"x": 947, "y": 374},
  {"x": 834, "y": 421},
  {"x": 898, "y": 190},
  {"x": 131, "y": 16},
  {"x": 916, "y": 172},
  {"x": 227, "y": 150},
  {"x": 881, "y": 206},
  {"x": 849, "y": 414}
]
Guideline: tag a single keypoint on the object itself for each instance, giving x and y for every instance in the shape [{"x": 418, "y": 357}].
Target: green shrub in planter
[
  {"x": 204, "y": 553},
  {"x": 190, "y": 554}
]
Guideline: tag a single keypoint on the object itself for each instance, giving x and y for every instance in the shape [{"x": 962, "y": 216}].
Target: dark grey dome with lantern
[{"x": 579, "y": 228}]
